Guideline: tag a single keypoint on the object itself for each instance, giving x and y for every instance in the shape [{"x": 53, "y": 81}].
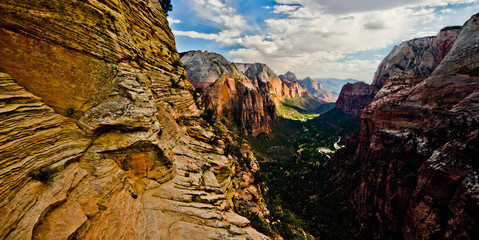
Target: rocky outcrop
[
  {"x": 316, "y": 89},
  {"x": 418, "y": 57},
  {"x": 267, "y": 80},
  {"x": 101, "y": 137},
  {"x": 288, "y": 78},
  {"x": 417, "y": 145},
  {"x": 230, "y": 93},
  {"x": 355, "y": 97}
]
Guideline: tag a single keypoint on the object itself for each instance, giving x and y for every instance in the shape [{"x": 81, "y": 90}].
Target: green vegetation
[
  {"x": 294, "y": 171},
  {"x": 209, "y": 116},
  {"x": 166, "y": 5},
  {"x": 302, "y": 108},
  {"x": 70, "y": 111},
  {"x": 45, "y": 175}
]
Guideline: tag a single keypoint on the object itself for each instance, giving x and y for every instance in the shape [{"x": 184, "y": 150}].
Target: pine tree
[{"x": 166, "y": 5}]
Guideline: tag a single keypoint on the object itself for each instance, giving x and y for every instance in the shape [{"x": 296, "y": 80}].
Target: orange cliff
[
  {"x": 101, "y": 136},
  {"x": 231, "y": 93}
]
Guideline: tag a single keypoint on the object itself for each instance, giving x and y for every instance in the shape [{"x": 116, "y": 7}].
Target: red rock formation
[
  {"x": 267, "y": 80},
  {"x": 354, "y": 97},
  {"x": 418, "y": 57},
  {"x": 418, "y": 145},
  {"x": 233, "y": 95},
  {"x": 241, "y": 103}
]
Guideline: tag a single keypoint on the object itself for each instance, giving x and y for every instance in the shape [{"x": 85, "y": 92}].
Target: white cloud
[
  {"x": 313, "y": 37},
  {"x": 310, "y": 41},
  {"x": 220, "y": 13},
  {"x": 173, "y": 21}
]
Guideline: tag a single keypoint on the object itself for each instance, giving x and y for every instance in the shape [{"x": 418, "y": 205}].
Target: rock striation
[
  {"x": 101, "y": 137},
  {"x": 418, "y": 57},
  {"x": 354, "y": 97},
  {"x": 418, "y": 142}
]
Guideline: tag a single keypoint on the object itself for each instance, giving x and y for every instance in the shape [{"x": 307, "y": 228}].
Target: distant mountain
[
  {"x": 316, "y": 89},
  {"x": 288, "y": 78},
  {"x": 334, "y": 85}
]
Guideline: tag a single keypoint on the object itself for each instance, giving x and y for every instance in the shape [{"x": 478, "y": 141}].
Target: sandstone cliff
[
  {"x": 418, "y": 57},
  {"x": 101, "y": 137},
  {"x": 232, "y": 94},
  {"x": 418, "y": 142}
]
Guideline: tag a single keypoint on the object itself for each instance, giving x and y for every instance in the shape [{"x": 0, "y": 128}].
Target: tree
[{"x": 166, "y": 5}]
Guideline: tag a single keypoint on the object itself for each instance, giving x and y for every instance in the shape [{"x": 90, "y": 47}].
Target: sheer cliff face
[
  {"x": 354, "y": 97},
  {"x": 418, "y": 57},
  {"x": 101, "y": 137},
  {"x": 231, "y": 93},
  {"x": 418, "y": 145},
  {"x": 204, "y": 68}
]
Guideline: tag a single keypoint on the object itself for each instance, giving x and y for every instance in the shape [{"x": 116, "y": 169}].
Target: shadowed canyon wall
[{"x": 417, "y": 147}]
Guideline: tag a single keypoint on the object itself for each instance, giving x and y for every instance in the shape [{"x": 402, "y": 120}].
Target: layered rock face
[
  {"x": 418, "y": 145},
  {"x": 101, "y": 137},
  {"x": 231, "y": 93},
  {"x": 418, "y": 57},
  {"x": 267, "y": 80},
  {"x": 316, "y": 89},
  {"x": 355, "y": 97}
]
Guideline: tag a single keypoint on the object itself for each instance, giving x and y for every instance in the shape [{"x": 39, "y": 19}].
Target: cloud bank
[{"x": 327, "y": 38}]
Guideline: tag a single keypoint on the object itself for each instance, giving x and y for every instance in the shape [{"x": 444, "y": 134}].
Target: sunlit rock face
[
  {"x": 418, "y": 57},
  {"x": 418, "y": 142},
  {"x": 234, "y": 96},
  {"x": 101, "y": 137}
]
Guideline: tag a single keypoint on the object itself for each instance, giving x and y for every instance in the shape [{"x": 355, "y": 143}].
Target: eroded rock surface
[
  {"x": 416, "y": 58},
  {"x": 230, "y": 92},
  {"x": 354, "y": 97},
  {"x": 101, "y": 137},
  {"x": 417, "y": 145}
]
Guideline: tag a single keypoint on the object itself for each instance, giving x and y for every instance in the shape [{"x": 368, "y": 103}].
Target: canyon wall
[
  {"x": 230, "y": 93},
  {"x": 418, "y": 57},
  {"x": 416, "y": 152},
  {"x": 101, "y": 137},
  {"x": 354, "y": 97}
]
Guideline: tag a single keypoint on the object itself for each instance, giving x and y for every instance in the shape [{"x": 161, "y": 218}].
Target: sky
[{"x": 316, "y": 38}]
